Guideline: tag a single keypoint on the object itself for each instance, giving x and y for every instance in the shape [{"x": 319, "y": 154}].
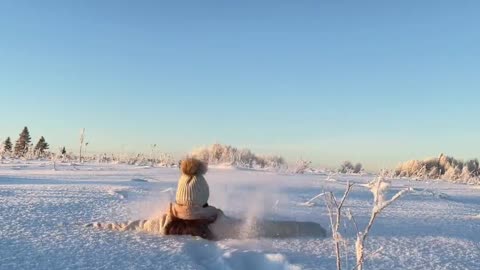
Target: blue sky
[{"x": 371, "y": 81}]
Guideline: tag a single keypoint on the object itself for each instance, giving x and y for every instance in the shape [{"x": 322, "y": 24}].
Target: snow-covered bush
[
  {"x": 218, "y": 154},
  {"x": 302, "y": 166},
  {"x": 443, "y": 167}
]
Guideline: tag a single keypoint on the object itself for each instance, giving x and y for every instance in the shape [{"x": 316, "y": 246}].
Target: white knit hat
[{"x": 192, "y": 187}]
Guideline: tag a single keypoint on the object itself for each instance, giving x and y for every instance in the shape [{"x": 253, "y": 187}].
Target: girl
[{"x": 191, "y": 215}]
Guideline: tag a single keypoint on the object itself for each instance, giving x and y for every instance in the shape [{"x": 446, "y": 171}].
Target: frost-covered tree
[
  {"x": 21, "y": 145},
  {"x": 346, "y": 167},
  {"x": 357, "y": 168},
  {"x": 276, "y": 162},
  {"x": 216, "y": 155},
  {"x": 226, "y": 154},
  {"x": 472, "y": 167},
  {"x": 7, "y": 145},
  {"x": 246, "y": 158},
  {"x": 41, "y": 146}
]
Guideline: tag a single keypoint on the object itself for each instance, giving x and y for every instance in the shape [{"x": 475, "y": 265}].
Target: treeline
[
  {"x": 24, "y": 147},
  {"x": 217, "y": 154},
  {"x": 443, "y": 167}
]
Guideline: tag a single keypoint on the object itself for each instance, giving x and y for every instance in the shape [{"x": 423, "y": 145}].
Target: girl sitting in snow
[{"x": 191, "y": 215}]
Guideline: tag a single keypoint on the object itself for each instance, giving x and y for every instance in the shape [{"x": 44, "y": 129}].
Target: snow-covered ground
[{"x": 43, "y": 212}]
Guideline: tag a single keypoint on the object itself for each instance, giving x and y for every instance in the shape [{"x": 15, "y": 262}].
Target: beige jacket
[
  {"x": 160, "y": 225},
  {"x": 218, "y": 225}
]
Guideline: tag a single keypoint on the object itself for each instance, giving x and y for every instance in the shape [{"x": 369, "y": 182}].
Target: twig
[
  {"x": 331, "y": 202},
  {"x": 310, "y": 202},
  {"x": 377, "y": 209},
  {"x": 354, "y": 221}
]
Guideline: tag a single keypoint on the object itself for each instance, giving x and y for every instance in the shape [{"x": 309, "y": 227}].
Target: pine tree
[
  {"x": 7, "y": 145},
  {"x": 21, "y": 145},
  {"x": 41, "y": 146},
  {"x": 64, "y": 151}
]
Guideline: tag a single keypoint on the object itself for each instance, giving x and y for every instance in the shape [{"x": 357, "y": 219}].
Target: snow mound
[
  {"x": 257, "y": 260},
  {"x": 430, "y": 192},
  {"x": 213, "y": 256},
  {"x": 120, "y": 193}
]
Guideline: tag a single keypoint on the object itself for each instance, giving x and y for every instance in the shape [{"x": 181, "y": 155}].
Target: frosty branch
[{"x": 378, "y": 187}]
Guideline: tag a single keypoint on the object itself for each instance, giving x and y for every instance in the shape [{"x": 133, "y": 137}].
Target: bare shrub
[
  {"x": 443, "y": 167},
  {"x": 378, "y": 187}
]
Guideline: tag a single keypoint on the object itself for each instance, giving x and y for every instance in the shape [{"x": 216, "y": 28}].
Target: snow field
[{"x": 42, "y": 213}]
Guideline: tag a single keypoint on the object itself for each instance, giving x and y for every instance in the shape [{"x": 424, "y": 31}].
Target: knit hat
[{"x": 192, "y": 187}]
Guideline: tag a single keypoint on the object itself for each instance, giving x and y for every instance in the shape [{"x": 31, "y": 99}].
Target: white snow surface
[{"x": 43, "y": 213}]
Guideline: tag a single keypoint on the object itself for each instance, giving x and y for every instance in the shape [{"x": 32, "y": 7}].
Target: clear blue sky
[{"x": 371, "y": 81}]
